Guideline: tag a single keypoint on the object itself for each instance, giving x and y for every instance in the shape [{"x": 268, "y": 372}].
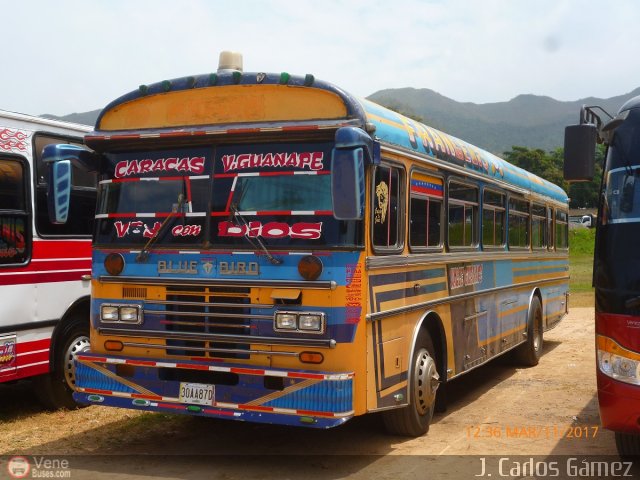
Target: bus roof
[
  {"x": 199, "y": 105},
  {"x": 46, "y": 122}
]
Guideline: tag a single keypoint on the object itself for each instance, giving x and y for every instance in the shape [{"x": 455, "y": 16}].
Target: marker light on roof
[
  {"x": 284, "y": 78},
  {"x": 308, "y": 80}
]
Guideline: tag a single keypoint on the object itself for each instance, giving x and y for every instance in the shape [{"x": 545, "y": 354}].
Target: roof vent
[{"x": 230, "y": 61}]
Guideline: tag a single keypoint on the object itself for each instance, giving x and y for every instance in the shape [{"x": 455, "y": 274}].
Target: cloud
[{"x": 79, "y": 55}]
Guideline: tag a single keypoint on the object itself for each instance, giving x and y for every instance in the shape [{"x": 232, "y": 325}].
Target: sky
[{"x": 65, "y": 56}]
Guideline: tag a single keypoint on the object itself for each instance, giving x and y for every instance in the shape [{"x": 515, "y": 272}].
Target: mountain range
[{"x": 527, "y": 120}]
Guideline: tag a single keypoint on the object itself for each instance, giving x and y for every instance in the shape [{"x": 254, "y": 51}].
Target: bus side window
[
  {"x": 387, "y": 197},
  {"x": 518, "y": 223},
  {"x": 550, "y": 229},
  {"x": 562, "y": 229},
  {"x": 14, "y": 217},
  {"x": 425, "y": 212},
  {"x": 538, "y": 226},
  {"x": 462, "y": 215},
  {"x": 493, "y": 219}
]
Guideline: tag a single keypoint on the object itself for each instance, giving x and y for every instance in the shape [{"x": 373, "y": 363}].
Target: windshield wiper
[
  {"x": 234, "y": 210},
  {"x": 144, "y": 253}
]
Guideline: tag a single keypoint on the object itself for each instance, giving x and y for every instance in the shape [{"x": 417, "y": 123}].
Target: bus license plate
[{"x": 197, "y": 393}]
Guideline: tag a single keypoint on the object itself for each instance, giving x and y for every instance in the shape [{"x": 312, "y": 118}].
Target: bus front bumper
[
  {"x": 619, "y": 404},
  {"x": 228, "y": 391}
]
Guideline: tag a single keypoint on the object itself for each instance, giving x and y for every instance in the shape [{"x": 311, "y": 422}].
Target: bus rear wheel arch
[
  {"x": 413, "y": 420},
  {"x": 529, "y": 353}
]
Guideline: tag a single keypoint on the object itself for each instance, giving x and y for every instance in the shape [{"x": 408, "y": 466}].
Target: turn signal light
[
  {"x": 310, "y": 267},
  {"x": 114, "y": 264},
  {"x": 113, "y": 345},
  {"x": 311, "y": 357}
]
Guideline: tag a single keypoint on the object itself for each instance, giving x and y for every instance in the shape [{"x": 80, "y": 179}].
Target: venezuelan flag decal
[{"x": 426, "y": 185}]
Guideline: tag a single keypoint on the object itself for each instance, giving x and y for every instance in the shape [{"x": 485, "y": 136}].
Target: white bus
[{"x": 44, "y": 267}]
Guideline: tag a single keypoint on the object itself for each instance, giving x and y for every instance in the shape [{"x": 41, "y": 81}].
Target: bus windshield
[
  {"x": 283, "y": 193},
  {"x": 219, "y": 197},
  {"x": 622, "y": 195},
  {"x": 622, "y": 182}
]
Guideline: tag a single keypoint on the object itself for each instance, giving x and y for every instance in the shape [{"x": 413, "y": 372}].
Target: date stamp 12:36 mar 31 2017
[{"x": 551, "y": 432}]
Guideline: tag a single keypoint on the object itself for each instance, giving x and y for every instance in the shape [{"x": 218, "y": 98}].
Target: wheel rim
[
  {"x": 537, "y": 331},
  {"x": 78, "y": 345},
  {"x": 426, "y": 380}
]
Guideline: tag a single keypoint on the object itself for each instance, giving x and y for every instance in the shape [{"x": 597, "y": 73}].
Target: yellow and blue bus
[{"x": 269, "y": 248}]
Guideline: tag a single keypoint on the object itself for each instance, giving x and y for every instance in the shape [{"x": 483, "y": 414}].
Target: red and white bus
[
  {"x": 616, "y": 264},
  {"x": 44, "y": 267}
]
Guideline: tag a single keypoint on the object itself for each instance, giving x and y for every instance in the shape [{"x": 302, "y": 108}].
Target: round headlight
[
  {"x": 114, "y": 264},
  {"x": 310, "y": 267}
]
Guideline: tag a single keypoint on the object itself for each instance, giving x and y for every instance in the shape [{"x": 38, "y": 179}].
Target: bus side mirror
[
  {"x": 353, "y": 148},
  {"x": 59, "y": 159},
  {"x": 347, "y": 183},
  {"x": 59, "y": 191},
  {"x": 579, "y": 152}
]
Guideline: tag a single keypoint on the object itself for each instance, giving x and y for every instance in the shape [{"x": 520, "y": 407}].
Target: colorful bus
[
  {"x": 44, "y": 267},
  {"x": 617, "y": 289},
  {"x": 269, "y": 248}
]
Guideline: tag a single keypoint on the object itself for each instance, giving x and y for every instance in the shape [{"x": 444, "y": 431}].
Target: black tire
[
  {"x": 529, "y": 353},
  {"x": 628, "y": 445},
  {"x": 55, "y": 389},
  {"x": 414, "y": 419}
]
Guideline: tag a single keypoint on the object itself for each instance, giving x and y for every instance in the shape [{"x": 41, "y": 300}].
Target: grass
[{"x": 581, "y": 242}]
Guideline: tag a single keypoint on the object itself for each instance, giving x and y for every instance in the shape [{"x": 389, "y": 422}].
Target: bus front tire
[
  {"x": 628, "y": 445},
  {"x": 414, "y": 419},
  {"x": 529, "y": 353},
  {"x": 55, "y": 389}
]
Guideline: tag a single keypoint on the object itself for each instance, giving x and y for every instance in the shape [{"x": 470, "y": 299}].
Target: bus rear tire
[
  {"x": 529, "y": 353},
  {"x": 628, "y": 445},
  {"x": 55, "y": 389},
  {"x": 414, "y": 419}
]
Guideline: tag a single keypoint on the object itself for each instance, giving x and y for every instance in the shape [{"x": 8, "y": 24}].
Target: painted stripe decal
[{"x": 214, "y": 368}]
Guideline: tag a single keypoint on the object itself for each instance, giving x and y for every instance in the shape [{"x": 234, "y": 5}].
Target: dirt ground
[{"x": 495, "y": 411}]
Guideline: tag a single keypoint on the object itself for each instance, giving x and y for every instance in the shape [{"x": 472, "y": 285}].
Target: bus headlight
[
  {"x": 301, "y": 322},
  {"x": 618, "y": 367},
  {"x": 109, "y": 313},
  {"x": 285, "y": 321},
  {"x": 310, "y": 321},
  {"x": 121, "y": 314},
  {"x": 129, "y": 314}
]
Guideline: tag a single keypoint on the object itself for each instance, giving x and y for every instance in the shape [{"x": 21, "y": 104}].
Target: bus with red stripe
[
  {"x": 269, "y": 248},
  {"x": 44, "y": 267},
  {"x": 616, "y": 260}
]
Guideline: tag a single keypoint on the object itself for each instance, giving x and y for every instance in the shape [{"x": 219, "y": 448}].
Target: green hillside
[{"x": 526, "y": 120}]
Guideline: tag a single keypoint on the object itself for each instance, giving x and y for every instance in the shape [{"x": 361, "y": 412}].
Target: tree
[{"x": 549, "y": 165}]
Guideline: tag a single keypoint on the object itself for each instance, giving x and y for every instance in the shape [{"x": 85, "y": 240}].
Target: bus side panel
[
  {"x": 489, "y": 319},
  {"x": 34, "y": 298},
  {"x": 390, "y": 336}
]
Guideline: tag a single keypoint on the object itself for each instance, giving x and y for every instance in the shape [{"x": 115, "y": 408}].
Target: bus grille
[{"x": 206, "y": 310}]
